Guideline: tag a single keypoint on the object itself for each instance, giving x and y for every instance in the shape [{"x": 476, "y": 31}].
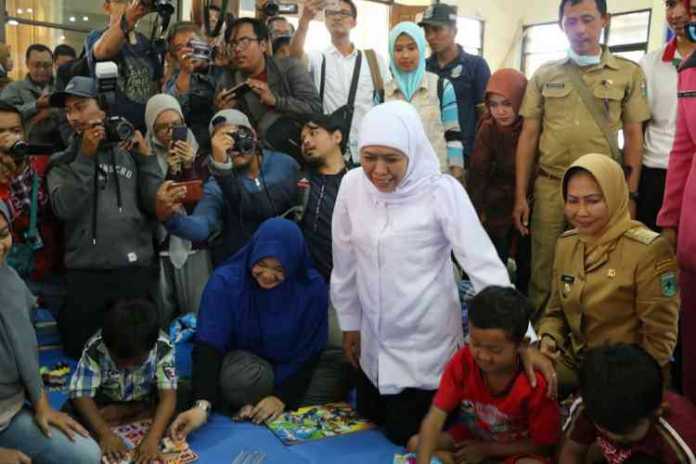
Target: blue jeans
[{"x": 24, "y": 435}]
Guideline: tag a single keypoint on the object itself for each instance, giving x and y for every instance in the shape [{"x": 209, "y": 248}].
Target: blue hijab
[
  {"x": 287, "y": 325},
  {"x": 408, "y": 82}
]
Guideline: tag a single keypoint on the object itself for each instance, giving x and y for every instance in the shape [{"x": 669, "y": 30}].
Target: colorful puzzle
[
  {"x": 317, "y": 422},
  {"x": 173, "y": 452}
]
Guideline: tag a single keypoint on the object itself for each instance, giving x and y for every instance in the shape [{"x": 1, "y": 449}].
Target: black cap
[
  {"x": 439, "y": 15},
  {"x": 79, "y": 86}
]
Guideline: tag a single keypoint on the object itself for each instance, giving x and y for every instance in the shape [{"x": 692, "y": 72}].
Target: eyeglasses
[
  {"x": 166, "y": 127},
  {"x": 341, "y": 14},
  {"x": 243, "y": 42}
]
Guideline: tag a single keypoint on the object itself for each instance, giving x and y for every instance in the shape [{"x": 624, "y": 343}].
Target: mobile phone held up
[
  {"x": 239, "y": 91},
  {"x": 194, "y": 191},
  {"x": 179, "y": 133}
]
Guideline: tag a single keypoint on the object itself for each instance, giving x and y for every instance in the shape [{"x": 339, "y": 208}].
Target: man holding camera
[
  {"x": 30, "y": 96},
  {"x": 36, "y": 254},
  {"x": 194, "y": 79},
  {"x": 139, "y": 62},
  {"x": 249, "y": 185},
  {"x": 103, "y": 188},
  {"x": 272, "y": 92}
]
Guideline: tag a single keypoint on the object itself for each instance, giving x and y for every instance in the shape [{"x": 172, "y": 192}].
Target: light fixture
[
  {"x": 62, "y": 38},
  {"x": 72, "y": 19},
  {"x": 12, "y": 22},
  {"x": 20, "y": 11},
  {"x": 29, "y": 10},
  {"x": 85, "y": 18}
]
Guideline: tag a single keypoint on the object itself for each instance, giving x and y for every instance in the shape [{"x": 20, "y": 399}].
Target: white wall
[{"x": 504, "y": 20}]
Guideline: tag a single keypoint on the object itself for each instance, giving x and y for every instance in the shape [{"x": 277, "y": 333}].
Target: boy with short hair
[
  {"x": 501, "y": 416},
  {"x": 626, "y": 412},
  {"x": 126, "y": 370}
]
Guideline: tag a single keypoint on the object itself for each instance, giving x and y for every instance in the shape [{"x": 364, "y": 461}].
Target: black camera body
[
  {"x": 118, "y": 129},
  {"x": 163, "y": 8},
  {"x": 274, "y": 8},
  {"x": 21, "y": 150},
  {"x": 244, "y": 141}
]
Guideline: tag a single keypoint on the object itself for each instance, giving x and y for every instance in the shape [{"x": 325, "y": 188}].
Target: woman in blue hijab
[
  {"x": 432, "y": 96},
  {"x": 262, "y": 326}
]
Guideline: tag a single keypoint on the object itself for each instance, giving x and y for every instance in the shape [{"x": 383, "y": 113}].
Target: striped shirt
[
  {"x": 671, "y": 439},
  {"x": 97, "y": 374}
]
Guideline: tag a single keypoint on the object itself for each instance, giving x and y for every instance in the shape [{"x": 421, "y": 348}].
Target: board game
[
  {"x": 313, "y": 423},
  {"x": 172, "y": 452}
]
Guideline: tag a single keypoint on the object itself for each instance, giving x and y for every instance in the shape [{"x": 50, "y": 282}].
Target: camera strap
[{"x": 353, "y": 83}]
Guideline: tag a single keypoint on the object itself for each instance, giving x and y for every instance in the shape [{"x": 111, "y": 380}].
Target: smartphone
[
  {"x": 238, "y": 91},
  {"x": 179, "y": 133},
  {"x": 194, "y": 191}
]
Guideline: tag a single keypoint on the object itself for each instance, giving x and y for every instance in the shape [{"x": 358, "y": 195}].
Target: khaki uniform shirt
[
  {"x": 629, "y": 297},
  {"x": 568, "y": 129}
]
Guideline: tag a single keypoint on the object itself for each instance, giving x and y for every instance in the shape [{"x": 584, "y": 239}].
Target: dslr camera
[
  {"x": 201, "y": 50},
  {"x": 274, "y": 8},
  {"x": 164, "y": 8},
  {"x": 118, "y": 128},
  {"x": 244, "y": 141},
  {"x": 21, "y": 150}
]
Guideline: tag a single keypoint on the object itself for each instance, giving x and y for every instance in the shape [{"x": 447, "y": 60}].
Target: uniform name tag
[
  {"x": 555, "y": 85},
  {"x": 687, "y": 94}
]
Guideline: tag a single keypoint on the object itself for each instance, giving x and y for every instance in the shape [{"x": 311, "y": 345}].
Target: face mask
[{"x": 584, "y": 60}]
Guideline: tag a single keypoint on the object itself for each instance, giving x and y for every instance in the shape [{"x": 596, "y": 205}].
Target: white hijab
[{"x": 397, "y": 125}]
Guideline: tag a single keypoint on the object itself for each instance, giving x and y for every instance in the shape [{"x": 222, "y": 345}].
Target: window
[
  {"x": 626, "y": 35},
  {"x": 470, "y": 35}
]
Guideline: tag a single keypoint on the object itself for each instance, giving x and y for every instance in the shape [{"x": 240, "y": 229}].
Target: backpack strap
[
  {"x": 377, "y": 81},
  {"x": 440, "y": 90}
]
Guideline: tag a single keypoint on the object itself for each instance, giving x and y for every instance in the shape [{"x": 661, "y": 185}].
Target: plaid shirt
[
  {"x": 97, "y": 373},
  {"x": 20, "y": 193}
]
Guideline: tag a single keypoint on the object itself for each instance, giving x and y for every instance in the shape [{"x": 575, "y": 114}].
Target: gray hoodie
[
  {"x": 19, "y": 362},
  {"x": 107, "y": 207}
]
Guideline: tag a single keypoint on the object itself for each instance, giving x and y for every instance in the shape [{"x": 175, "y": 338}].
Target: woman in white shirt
[{"x": 396, "y": 223}]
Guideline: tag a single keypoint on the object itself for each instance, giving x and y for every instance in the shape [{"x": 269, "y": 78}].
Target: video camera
[{"x": 118, "y": 129}]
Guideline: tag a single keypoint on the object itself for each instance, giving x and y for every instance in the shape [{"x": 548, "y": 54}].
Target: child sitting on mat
[
  {"x": 126, "y": 373},
  {"x": 500, "y": 415},
  {"x": 626, "y": 412}
]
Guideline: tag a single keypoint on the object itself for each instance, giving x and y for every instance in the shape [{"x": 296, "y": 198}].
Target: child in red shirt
[
  {"x": 625, "y": 411},
  {"x": 501, "y": 416}
]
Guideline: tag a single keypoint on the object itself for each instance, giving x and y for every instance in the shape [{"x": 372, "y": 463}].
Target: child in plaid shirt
[{"x": 124, "y": 370}]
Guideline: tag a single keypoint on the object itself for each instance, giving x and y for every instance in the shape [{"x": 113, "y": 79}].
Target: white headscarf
[
  {"x": 397, "y": 125},
  {"x": 157, "y": 105}
]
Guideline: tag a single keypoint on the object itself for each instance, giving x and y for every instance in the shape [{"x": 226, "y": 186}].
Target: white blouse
[{"x": 393, "y": 278}]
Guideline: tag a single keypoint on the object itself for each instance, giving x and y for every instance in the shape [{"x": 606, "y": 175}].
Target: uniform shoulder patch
[
  {"x": 668, "y": 283},
  {"x": 642, "y": 235}
]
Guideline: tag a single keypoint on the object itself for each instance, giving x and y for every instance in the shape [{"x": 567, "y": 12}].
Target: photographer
[
  {"x": 30, "y": 96},
  {"x": 139, "y": 62},
  {"x": 276, "y": 91},
  {"x": 194, "y": 79},
  {"x": 37, "y": 253},
  {"x": 103, "y": 188},
  {"x": 281, "y": 32},
  {"x": 249, "y": 186}
]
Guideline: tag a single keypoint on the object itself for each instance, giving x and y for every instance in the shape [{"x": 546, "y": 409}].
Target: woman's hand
[
  {"x": 267, "y": 409},
  {"x": 351, "y": 347},
  {"x": 533, "y": 359},
  {"x": 10, "y": 456},
  {"x": 46, "y": 417},
  {"x": 187, "y": 422},
  {"x": 184, "y": 153}
]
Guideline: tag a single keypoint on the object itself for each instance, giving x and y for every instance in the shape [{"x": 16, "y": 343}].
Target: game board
[
  {"x": 172, "y": 452},
  {"x": 317, "y": 422}
]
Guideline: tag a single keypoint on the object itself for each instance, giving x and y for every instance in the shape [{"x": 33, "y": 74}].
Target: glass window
[
  {"x": 542, "y": 43},
  {"x": 470, "y": 35},
  {"x": 629, "y": 28}
]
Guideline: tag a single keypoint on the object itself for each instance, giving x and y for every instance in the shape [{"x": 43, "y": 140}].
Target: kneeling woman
[
  {"x": 262, "y": 328},
  {"x": 30, "y": 430},
  {"x": 614, "y": 280}
]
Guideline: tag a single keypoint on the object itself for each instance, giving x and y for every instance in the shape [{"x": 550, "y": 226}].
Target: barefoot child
[
  {"x": 126, "y": 372},
  {"x": 501, "y": 416}
]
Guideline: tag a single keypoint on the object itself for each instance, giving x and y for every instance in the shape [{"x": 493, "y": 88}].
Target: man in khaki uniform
[{"x": 560, "y": 126}]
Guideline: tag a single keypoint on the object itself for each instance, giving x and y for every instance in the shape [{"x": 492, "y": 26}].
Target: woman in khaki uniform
[{"x": 614, "y": 280}]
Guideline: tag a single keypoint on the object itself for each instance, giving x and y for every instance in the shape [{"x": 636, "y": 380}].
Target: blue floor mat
[{"x": 221, "y": 439}]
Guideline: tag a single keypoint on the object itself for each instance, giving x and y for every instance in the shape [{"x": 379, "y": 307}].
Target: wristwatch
[
  {"x": 633, "y": 196},
  {"x": 204, "y": 405}
]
